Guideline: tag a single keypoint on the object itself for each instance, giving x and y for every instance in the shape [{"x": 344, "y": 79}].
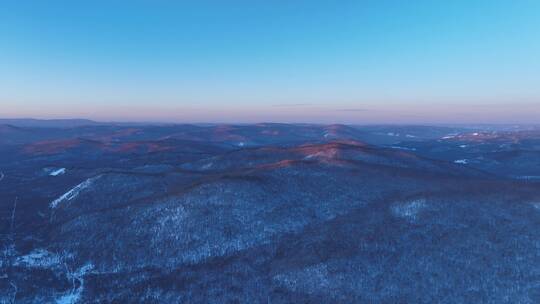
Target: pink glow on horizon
[{"x": 296, "y": 113}]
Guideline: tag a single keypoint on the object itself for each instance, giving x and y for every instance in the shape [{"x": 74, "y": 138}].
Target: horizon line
[{"x": 149, "y": 122}]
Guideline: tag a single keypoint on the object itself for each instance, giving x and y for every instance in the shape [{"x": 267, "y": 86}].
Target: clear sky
[{"x": 284, "y": 61}]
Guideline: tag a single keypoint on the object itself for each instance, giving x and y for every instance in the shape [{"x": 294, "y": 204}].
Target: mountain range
[{"x": 268, "y": 213}]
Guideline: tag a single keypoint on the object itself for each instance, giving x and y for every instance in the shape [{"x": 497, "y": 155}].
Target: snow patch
[
  {"x": 207, "y": 166},
  {"x": 463, "y": 146},
  {"x": 42, "y": 258},
  {"x": 409, "y": 210},
  {"x": 74, "y": 295},
  {"x": 410, "y": 136},
  {"x": 403, "y": 148},
  {"x": 39, "y": 258},
  {"x": 69, "y": 298},
  {"x": 528, "y": 177},
  {"x": 326, "y": 154},
  {"x": 311, "y": 279},
  {"x": 310, "y": 156},
  {"x": 461, "y": 161},
  {"x": 241, "y": 144},
  {"x": 71, "y": 194},
  {"x": 58, "y": 172}
]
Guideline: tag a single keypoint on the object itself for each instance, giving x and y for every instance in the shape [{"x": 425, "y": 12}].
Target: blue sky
[{"x": 290, "y": 61}]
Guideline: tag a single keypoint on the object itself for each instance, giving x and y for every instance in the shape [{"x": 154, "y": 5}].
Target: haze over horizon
[{"x": 318, "y": 62}]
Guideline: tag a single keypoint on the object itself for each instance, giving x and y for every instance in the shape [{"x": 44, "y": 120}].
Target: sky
[{"x": 281, "y": 61}]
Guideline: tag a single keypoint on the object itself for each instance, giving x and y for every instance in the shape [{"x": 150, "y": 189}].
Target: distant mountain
[{"x": 48, "y": 123}]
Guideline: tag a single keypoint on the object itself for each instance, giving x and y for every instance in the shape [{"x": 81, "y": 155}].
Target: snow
[
  {"x": 313, "y": 278},
  {"x": 409, "y": 210},
  {"x": 58, "y": 172},
  {"x": 39, "y": 258},
  {"x": 331, "y": 153},
  {"x": 310, "y": 156},
  {"x": 241, "y": 144},
  {"x": 475, "y": 134},
  {"x": 461, "y": 161},
  {"x": 69, "y": 298},
  {"x": 528, "y": 177},
  {"x": 42, "y": 258},
  {"x": 207, "y": 166},
  {"x": 463, "y": 146},
  {"x": 448, "y": 136},
  {"x": 74, "y": 295},
  {"x": 403, "y": 148},
  {"x": 410, "y": 136},
  {"x": 71, "y": 194}
]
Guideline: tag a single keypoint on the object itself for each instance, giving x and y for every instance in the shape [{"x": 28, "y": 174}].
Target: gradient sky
[{"x": 284, "y": 61}]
